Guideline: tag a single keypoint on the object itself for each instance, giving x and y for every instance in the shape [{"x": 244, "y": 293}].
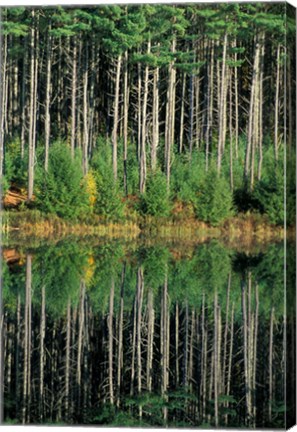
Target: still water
[{"x": 148, "y": 335}]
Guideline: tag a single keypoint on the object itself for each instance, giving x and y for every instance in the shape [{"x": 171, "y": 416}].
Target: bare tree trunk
[
  {"x": 32, "y": 114},
  {"x": 133, "y": 347},
  {"x": 164, "y": 344},
  {"x": 142, "y": 164},
  {"x": 92, "y": 98},
  {"x": 140, "y": 288},
  {"x": 27, "y": 344},
  {"x": 67, "y": 366},
  {"x": 255, "y": 350},
  {"x": 73, "y": 96},
  {"x": 231, "y": 133},
  {"x": 110, "y": 343},
  {"x": 270, "y": 363},
  {"x": 150, "y": 340},
  {"x": 42, "y": 354},
  {"x": 222, "y": 110},
  {"x": 276, "y": 106},
  {"x": 216, "y": 359},
  {"x": 251, "y": 122},
  {"x": 155, "y": 140},
  {"x": 81, "y": 320},
  {"x": 177, "y": 345},
  {"x": 209, "y": 107},
  {"x": 120, "y": 337},
  {"x": 182, "y": 113},
  {"x": 170, "y": 115},
  {"x": 260, "y": 161},
  {"x": 85, "y": 114},
  {"x": 116, "y": 118},
  {"x": 236, "y": 104},
  {"x": 126, "y": 112},
  {"x": 48, "y": 96},
  {"x": 230, "y": 358},
  {"x": 226, "y": 330}
]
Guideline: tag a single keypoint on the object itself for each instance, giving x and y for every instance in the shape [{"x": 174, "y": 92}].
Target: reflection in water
[{"x": 149, "y": 338}]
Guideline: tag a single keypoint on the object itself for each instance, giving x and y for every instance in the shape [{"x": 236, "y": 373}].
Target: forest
[
  {"x": 115, "y": 113},
  {"x": 138, "y": 335}
]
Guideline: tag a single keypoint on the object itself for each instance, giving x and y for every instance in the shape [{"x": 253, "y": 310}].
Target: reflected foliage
[{"x": 153, "y": 337}]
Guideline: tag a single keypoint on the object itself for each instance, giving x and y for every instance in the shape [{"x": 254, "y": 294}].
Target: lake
[{"x": 148, "y": 334}]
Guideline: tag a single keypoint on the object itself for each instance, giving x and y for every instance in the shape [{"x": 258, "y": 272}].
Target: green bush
[
  {"x": 61, "y": 190},
  {"x": 213, "y": 202},
  {"x": 270, "y": 193},
  {"x": 186, "y": 176},
  {"x": 155, "y": 201},
  {"x": 109, "y": 198}
]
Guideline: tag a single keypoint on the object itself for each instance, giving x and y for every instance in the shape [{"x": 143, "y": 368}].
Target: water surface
[{"x": 147, "y": 335}]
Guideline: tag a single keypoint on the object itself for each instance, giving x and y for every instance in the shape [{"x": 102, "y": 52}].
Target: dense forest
[
  {"x": 114, "y": 111},
  {"x": 149, "y": 336}
]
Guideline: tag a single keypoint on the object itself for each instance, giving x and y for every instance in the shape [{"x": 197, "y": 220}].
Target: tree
[{"x": 61, "y": 189}]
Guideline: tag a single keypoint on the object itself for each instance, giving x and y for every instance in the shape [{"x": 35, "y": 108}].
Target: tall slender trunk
[
  {"x": 139, "y": 296},
  {"x": 182, "y": 113},
  {"x": 85, "y": 114},
  {"x": 260, "y": 161},
  {"x": 276, "y": 105},
  {"x": 15, "y": 100},
  {"x": 155, "y": 140},
  {"x": 48, "y": 96},
  {"x": 133, "y": 347},
  {"x": 126, "y": 113},
  {"x": 120, "y": 336},
  {"x": 177, "y": 345},
  {"x": 252, "y": 120},
  {"x": 42, "y": 354},
  {"x": 81, "y": 320},
  {"x": 236, "y": 103},
  {"x": 150, "y": 340},
  {"x": 73, "y": 96},
  {"x": 270, "y": 365},
  {"x": 209, "y": 107},
  {"x": 27, "y": 344},
  {"x": 231, "y": 133},
  {"x": 164, "y": 344},
  {"x": 31, "y": 111},
  {"x": 67, "y": 358},
  {"x": 222, "y": 106},
  {"x": 142, "y": 164},
  {"x": 24, "y": 99},
  {"x": 116, "y": 118},
  {"x": 170, "y": 114},
  {"x": 216, "y": 359},
  {"x": 91, "y": 124},
  {"x": 110, "y": 343}
]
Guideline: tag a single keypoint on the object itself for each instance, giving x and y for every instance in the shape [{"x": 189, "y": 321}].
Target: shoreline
[{"x": 240, "y": 227}]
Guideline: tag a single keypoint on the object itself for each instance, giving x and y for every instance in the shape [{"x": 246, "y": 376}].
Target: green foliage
[
  {"x": 155, "y": 201},
  {"x": 187, "y": 177},
  {"x": 214, "y": 200},
  {"x": 109, "y": 199},
  {"x": 270, "y": 193},
  {"x": 61, "y": 190}
]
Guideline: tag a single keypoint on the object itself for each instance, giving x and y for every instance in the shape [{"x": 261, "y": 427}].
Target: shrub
[
  {"x": 108, "y": 197},
  {"x": 270, "y": 193},
  {"x": 155, "y": 201},
  {"x": 61, "y": 190},
  {"x": 213, "y": 202},
  {"x": 108, "y": 200},
  {"x": 186, "y": 176}
]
